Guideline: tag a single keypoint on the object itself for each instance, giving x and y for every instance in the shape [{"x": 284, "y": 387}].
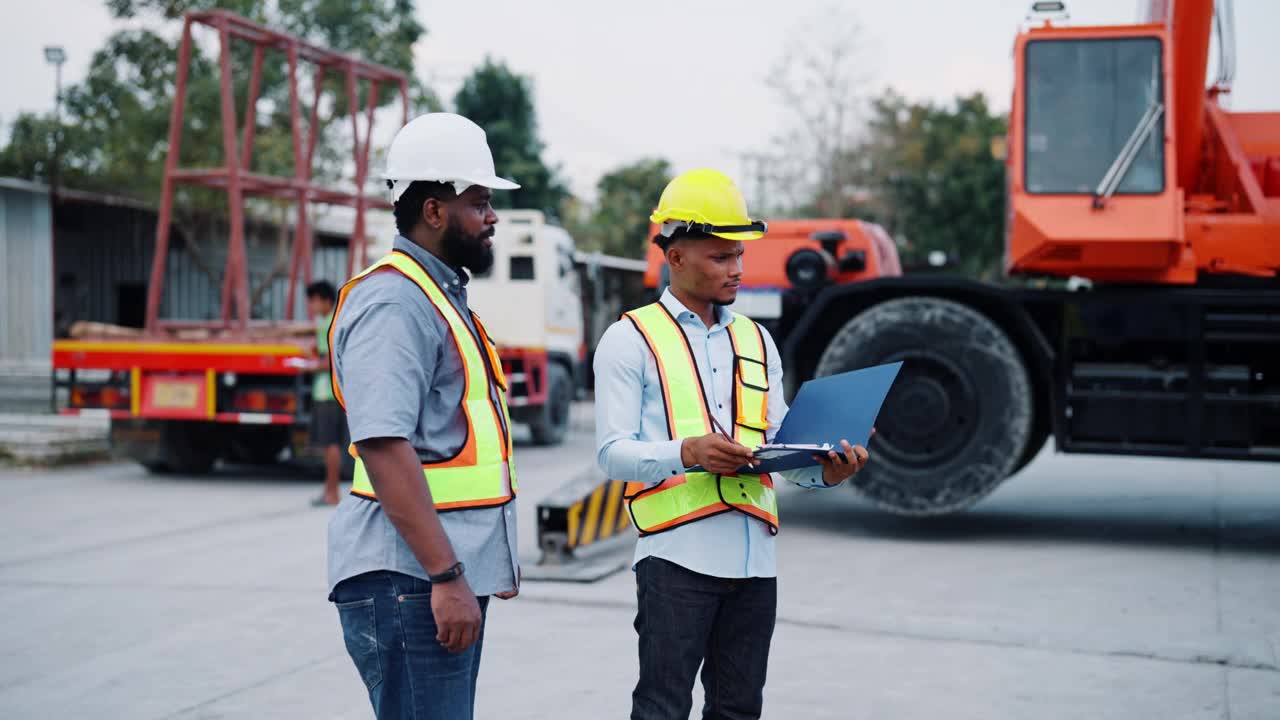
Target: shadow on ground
[{"x": 1235, "y": 522}]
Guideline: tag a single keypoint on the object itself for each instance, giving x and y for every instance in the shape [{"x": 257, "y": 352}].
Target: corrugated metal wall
[
  {"x": 98, "y": 249},
  {"x": 191, "y": 294},
  {"x": 26, "y": 252},
  {"x": 104, "y": 263}
]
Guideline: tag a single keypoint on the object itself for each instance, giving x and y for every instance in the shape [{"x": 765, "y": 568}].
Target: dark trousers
[
  {"x": 390, "y": 634},
  {"x": 686, "y": 619}
]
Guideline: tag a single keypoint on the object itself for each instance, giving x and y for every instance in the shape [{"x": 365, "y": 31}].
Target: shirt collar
[
  {"x": 724, "y": 316},
  {"x": 445, "y": 275}
]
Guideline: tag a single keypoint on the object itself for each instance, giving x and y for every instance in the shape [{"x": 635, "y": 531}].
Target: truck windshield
[{"x": 1083, "y": 100}]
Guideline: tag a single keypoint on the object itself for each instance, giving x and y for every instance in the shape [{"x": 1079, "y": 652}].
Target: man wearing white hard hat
[{"x": 428, "y": 532}]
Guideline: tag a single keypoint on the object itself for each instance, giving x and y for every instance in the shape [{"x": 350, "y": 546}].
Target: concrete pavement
[{"x": 1085, "y": 588}]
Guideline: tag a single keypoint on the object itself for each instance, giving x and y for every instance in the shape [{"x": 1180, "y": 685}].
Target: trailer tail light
[
  {"x": 91, "y": 398},
  {"x": 251, "y": 401},
  {"x": 113, "y": 398},
  {"x": 282, "y": 403},
  {"x": 263, "y": 401}
]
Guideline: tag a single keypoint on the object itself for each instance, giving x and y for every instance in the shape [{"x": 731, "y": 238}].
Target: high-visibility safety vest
[
  {"x": 683, "y": 499},
  {"x": 482, "y": 473}
]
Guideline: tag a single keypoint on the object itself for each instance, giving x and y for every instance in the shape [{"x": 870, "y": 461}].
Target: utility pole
[{"x": 55, "y": 55}]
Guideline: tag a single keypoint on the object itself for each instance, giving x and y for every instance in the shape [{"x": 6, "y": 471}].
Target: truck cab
[{"x": 530, "y": 301}]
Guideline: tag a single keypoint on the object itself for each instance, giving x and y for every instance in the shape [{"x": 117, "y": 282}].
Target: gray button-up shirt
[{"x": 401, "y": 376}]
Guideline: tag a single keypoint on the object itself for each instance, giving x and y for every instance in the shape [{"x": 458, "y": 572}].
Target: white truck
[{"x": 531, "y": 303}]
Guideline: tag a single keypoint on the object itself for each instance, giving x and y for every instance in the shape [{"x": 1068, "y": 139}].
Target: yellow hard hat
[{"x": 706, "y": 201}]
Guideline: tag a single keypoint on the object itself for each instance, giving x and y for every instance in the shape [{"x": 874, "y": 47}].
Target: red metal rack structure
[{"x": 235, "y": 175}]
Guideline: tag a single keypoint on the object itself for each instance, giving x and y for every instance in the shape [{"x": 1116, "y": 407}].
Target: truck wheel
[
  {"x": 959, "y": 416},
  {"x": 1038, "y": 438},
  {"x": 189, "y": 448},
  {"x": 552, "y": 423}
]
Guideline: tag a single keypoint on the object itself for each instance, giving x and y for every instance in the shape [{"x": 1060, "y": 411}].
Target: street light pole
[{"x": 56, "y": 55}]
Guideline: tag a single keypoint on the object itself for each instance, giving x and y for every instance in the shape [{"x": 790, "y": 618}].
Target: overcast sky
[{"x": 607, "y": 94}]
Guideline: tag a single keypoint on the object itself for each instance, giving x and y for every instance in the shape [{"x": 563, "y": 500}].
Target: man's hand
[
  {"x": 457, "y": 614},
  {"x": 716, "y": 453},
  {"x": 837, "y": 467},
  {"x": 512, "y": 593}
]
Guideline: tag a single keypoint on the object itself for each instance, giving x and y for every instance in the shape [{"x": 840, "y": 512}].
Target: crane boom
[{"x": 1190, "y": 26}]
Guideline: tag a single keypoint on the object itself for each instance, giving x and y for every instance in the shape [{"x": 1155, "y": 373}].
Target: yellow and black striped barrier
[
  {"x": 584, "y": 530},
  {"x": 598, "y": 516}
]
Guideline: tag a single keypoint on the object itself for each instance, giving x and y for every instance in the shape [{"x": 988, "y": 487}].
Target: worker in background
[
  {"x": 428, "y": 531},
  {"x": 686, "y": 382},
  {"x": 328, "y": 422}
]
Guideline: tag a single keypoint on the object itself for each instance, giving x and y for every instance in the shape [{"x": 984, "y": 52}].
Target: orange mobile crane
[{"x": 1125, "y": 172}]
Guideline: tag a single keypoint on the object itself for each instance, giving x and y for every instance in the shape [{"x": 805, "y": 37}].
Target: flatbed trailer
[{"x": 182, "y": 394}]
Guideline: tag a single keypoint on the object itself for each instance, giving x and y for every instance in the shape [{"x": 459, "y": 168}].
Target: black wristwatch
[{"x": 452, "y": 573}]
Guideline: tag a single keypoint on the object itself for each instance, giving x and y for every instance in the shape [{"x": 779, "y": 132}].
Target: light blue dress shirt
[{"x": 633, "y": 445}]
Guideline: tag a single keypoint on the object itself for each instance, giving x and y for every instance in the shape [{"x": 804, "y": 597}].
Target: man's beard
[{"x": 468, "y": 251}]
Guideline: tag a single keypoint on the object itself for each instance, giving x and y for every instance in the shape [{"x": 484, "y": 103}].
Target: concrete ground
[{"x": 1086, "y": 587}]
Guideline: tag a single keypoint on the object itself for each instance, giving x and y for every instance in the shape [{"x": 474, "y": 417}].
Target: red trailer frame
[{"x": 235, "y": 175}]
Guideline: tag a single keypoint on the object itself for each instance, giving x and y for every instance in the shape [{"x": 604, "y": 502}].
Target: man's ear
[
  {"x": 435, "y": 213},
  {"x": 675, "y": 257}
]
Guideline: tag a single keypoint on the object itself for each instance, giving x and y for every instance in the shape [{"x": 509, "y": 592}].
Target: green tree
[
  {"x": 933, "y": 180},
  {"x": 618, "y": 223},
  {"x": 501, "y": 102},
  {"x": 116, "y": 120}
]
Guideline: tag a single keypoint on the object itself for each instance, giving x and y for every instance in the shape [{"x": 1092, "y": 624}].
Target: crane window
[{"x": 1084, "y": 100}]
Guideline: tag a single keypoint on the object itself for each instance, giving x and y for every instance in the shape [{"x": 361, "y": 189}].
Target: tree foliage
[
  {"x": 501, "y": 101},
  {"x": 933, "y": 179},
  {"x": 618, "y": 222},
  {"x": 819, "y": 76},
  {"x": 115, "y": 123}
]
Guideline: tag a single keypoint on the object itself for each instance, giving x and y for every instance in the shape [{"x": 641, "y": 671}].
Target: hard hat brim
[{"x": 493, "y": 182}]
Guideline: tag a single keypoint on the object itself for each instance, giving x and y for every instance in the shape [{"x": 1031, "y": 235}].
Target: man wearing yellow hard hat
[{"x": 685, "y": 390}]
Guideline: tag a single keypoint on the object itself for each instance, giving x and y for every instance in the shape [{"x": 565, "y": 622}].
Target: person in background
[{"x": 328, "y": 421}]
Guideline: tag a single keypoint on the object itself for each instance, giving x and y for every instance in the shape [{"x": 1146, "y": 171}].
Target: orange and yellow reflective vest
[
  {"x": 683, "y": 499},
  {"x": 482, "y": 473}
]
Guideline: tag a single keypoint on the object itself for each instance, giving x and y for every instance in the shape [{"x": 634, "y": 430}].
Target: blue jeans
[
  {"x": 390, "y": 633},
  {"x": 686, "y": 619}
]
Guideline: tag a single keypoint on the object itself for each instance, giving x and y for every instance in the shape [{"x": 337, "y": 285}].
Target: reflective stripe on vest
[
  {"x": 481, "y": 473},
  {"x": 686, "y": 498}
]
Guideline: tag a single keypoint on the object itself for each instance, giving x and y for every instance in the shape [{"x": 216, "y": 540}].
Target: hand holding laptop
[
  {"x": 717, "y": 453},
  {"x": 829, "y": 424},
  {"x": 837, "y": 467}
]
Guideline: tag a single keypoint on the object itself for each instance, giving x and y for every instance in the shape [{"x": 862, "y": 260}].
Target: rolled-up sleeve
[
  {"x": 381, "y": 368},
  {"x": 807, "y": 477},
  {"x": 620, "y": 385}
]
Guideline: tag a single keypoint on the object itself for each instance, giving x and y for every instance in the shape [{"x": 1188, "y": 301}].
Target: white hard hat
[{"x": 441, "y": 147}]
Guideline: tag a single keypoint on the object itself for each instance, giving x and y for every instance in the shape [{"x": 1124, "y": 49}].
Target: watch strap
[{"x": 453, "y": 573}]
